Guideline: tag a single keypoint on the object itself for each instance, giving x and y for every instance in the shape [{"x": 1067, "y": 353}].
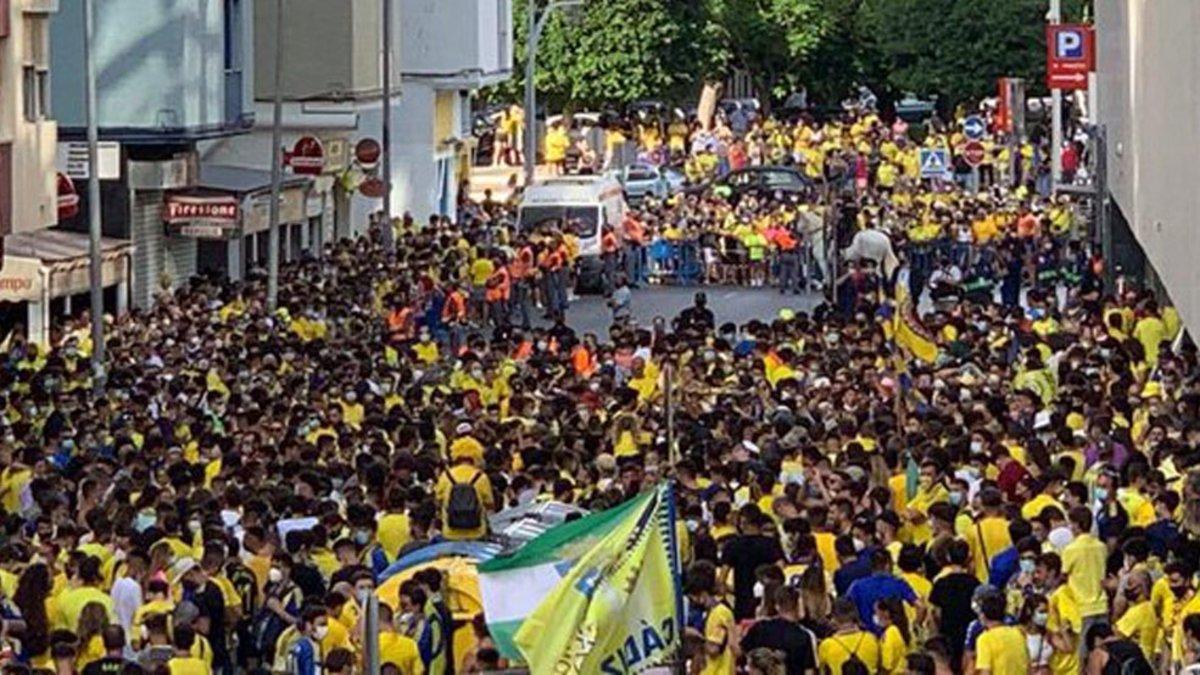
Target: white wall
[
  {"x": 1149, "y": 98},
  {"x": 442, "y": 38}
]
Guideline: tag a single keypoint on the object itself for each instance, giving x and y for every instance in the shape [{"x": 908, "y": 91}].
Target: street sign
[
  {"x": 1070, "y": 55},
  {"x": 72, "y": 159},
  {"x": 68, "y": 197},
  {"x": 367, "y": 152},
  {"x": 935, "y": 163},
  {"x": 307, "y": 157},
  {"x": 974, "y": 127},
  {"x": 973, "y": 153}
]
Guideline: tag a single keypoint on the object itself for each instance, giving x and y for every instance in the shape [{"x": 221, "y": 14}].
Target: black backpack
[
  {"x": 1125, "y": 657},
  {"x": 463, "y": 510}
]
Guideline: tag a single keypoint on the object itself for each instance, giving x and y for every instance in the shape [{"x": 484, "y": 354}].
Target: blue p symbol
[{"x": 1070, "y": 44}]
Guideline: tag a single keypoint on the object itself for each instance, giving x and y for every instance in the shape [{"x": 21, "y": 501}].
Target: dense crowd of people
[{"x": 1025, "y": 501}]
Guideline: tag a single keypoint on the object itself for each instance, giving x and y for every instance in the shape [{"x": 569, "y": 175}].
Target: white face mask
[
  {"x": 275, "y": 575},
  {"x": 976, "y": 446},
  {"x": 759, "y": 589},
  {"x": 320, "y": 632}
]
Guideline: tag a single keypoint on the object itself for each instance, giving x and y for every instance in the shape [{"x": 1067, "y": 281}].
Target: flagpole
[{"x": 677, "y": 573}]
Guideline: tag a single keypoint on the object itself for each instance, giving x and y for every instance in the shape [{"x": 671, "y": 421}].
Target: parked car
[
  {"x": 646, "y": 180},
  {"x": 760, "y": 179}
]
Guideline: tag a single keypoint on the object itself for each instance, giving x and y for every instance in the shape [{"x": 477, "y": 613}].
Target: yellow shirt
[
  {"x": 147, "y": 609},
  {"x": 465, "y": 473},
  {"x": 836, "y": 650},
  {"x": 400, "y": 651},
  {"x": 12, "y": 482},
  {"x": 1064, "y": 617},
  {"x": 338, "y": 636},
  {"x": 892, "y": 650},
  {"x": 393, "y": 532},
  {"x": 93, "y": 651},
  {"x": 922, "y": 533},
  {"x": 995, "y": 538},
  {"x": 481, "y": 270},
  {"x": 719, "y": 629},
  {"x": 72, "y": 602},
  {"x": 1033, "y": 508},
  {"x": 1084, "y": 563},
  {"x": 187, "y": 665},
  {"x": 1001, "y": 650},
  {"x": 1139, "y": 623}
]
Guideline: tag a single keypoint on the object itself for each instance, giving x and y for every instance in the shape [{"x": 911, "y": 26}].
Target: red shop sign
[{"x": 189, "y": 209}]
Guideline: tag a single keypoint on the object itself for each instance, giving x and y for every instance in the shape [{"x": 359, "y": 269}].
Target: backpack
[
  {"x": 246, "y": 584},
  {"x": 853, "y": 662},
  {"x": 463, "y": 510},
  {"x": 1125, "y": 657}
]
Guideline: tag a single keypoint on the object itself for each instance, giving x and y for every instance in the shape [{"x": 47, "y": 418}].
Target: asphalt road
[{"x": 590, "y": 314}]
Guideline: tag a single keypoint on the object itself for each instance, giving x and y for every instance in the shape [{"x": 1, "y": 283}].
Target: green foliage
[{"x": 616, "y": 51}]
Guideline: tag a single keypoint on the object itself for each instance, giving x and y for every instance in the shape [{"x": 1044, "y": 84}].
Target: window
[
  {"x": 29, "y": 84},
  {"x": 43, "y": 90}
]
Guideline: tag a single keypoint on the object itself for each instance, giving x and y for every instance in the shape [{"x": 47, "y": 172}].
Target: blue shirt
[
  {"x": 303, "y": 657},
  {"x": 1004, "y": 565},
  {"x": 852, "y": 571},
  {"x": 869, "y": 590}
]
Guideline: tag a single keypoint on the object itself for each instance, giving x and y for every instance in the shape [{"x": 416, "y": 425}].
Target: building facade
[
  {"x": 432, "y": 157},
  {"x": 1148, "y": 71},
  {"x": 170, "y": 74}
]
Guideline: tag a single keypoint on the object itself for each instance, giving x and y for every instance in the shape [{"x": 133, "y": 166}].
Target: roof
[
  {"x": 243, "y": 180},
  {"x": 54, "y": 245}
]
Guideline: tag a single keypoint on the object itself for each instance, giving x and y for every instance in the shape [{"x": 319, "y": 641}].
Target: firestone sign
[{"x": 180, "y": 209}]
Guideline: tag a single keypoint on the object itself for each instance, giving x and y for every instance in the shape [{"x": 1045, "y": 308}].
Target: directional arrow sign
[{"x": 974, "y": 127}]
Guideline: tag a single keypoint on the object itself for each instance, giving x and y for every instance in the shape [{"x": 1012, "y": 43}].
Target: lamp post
[
  {"x": 95, "y": 278},
  {"x": 386, "y": 137},
  {"x": 535, "y": 25},
  {"x": 276, "y": 165},
  {"x": 1054, "y": 16}
]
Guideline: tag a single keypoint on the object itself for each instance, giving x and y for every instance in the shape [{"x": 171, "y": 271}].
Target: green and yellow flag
[{"x": 613, "y": 607}]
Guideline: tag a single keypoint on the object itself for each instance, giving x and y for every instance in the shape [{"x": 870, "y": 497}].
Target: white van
[{"x": 582, "y": 205}]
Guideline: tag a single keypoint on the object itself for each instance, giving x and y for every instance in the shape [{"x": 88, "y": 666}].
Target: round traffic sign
[
  {"x": 974, "y": 127},
  {"x": 367, "y": 152},
  {"x": 974, "y": 153}
]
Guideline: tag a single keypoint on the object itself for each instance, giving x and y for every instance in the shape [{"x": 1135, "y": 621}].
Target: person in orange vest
[
  {"x": 552, "y": 264},
  {"x": 583, "y": 358},
  {"x": 401, "y": 322},
  {"x": 499, "y": 291},
  {"x": 635, "y": 249},
  {"x": 454, "y": 314},
  {"x": 610, "y": 255},
  {"x": 789, "y": 261},
  {"x": 522, "y": 270}
]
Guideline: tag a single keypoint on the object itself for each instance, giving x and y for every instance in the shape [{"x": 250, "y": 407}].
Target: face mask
[
  {"x": 976, "y": 446},
  {"x": 859, "y": 544},
  {"x": 275, "y": 575},
  {"x": 759, "y": 589},
  {"x": 1027, "y": 565},
  {"x": 144, "y": 521},
  {"x": 1101, "y": 494},
  {"x": 1040, "y": 618},
  {"x": 956, "y": 498},
  {"x": 144, "y": 632},
  {"x": 320, "y": 632},
  {"x": 693, "y": 526},
  {"x": 361, "y": 537},
  {"x": 194, "y": 525}
]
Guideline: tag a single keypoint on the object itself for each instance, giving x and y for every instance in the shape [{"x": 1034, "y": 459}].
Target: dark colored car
[{"x": 760, "y": 179}]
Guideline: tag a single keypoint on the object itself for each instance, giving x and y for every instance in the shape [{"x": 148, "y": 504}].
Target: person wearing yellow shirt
[
  {"x": 1150, "y": 331},
  {"x": 1139, "y": 622},
  {"x": 464, "y": 471},
  {"x": 1084, "y": 563},
  {"x": 426, "y": 350},
  {"x": 894, "y": 645},
  {"x": 720, "y": 635},
  {"x": 557, "y": 142},
  {"x": 930, "y": 491},
  {"x": 392, "y": 529},
  {"x": 183, "y": 662},
  {"x": 1000, "y": 649},
  {"x": 395, "y": 648},
  {"x": 158, "y": 601},
  {"x": 72, "y": 601},
  {"x": 989, "y": 535},
  {"x": 849, "y": 642}
]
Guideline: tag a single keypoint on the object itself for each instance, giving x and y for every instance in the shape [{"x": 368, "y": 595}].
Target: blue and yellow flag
[{"x": 907, "y": 330}]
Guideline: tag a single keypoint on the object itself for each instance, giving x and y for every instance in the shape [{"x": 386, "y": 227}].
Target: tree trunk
[{"x": 707, "y": 107}]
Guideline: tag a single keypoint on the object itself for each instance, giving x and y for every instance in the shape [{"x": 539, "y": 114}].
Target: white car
[{"x": 647, "y": 180}]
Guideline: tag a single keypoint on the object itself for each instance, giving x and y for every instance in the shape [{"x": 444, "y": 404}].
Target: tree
[
  {"x": 770, "y": 40},
  {"x": 956, "y": 50},
  {"x": 617, "y": 51}
]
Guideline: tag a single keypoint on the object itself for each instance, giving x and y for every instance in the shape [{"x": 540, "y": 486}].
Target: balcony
[{"x": 37, "y": 6}]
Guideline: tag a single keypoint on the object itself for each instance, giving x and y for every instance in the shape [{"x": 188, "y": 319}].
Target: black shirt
[
  {"x": 796, "y": 642},
  {"x": 112, "y": 665},
  {"x": 744, "y": 553},
  {"x": 211, "y": 603},
  {"x": 952, "y": 596}
]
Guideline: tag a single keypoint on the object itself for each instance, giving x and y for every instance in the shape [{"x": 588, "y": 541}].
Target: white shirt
[{"x": 127, "y": 597}]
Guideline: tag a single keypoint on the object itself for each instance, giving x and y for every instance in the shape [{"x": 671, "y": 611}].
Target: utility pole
[
  {"x": 534, "y": 25},
  {"x": 276, "y": 165},
  {"x": 95, "y": 278},
  {"x": 388, "y": 235},
  {"x": 1054, "y": 16}
]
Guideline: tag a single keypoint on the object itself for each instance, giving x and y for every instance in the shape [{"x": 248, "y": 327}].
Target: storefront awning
[
  {"x": 233, "y": 201},
  {"x": 54, "y": 263}
]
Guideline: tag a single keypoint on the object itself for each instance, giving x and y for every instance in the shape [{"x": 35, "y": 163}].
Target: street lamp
[
  {"x": 95, "y": 278},
  {"x": 536, "y": 25}
]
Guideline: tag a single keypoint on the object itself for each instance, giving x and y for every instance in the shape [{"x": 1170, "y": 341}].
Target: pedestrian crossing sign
[{"x": 935, "y": 163}]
